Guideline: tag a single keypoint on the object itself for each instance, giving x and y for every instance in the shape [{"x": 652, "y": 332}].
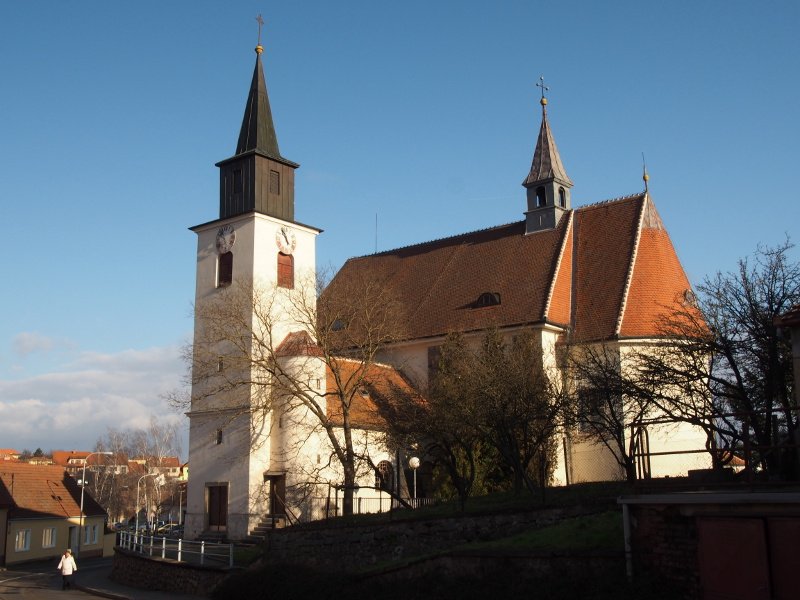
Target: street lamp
[
  {"x": 152, "y": 474},
  {"x": 413, "y": 462},
  {"x": 83, "y": 486}
]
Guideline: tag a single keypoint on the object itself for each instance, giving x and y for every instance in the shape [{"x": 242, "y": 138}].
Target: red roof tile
[
  {"x": 298, "y": 343},
  {"x": 658, "y": 283},
  {"x": 585, "y": 267},
  {"x": 379, "y": 383},
  {"x": 44, "y": 491}
]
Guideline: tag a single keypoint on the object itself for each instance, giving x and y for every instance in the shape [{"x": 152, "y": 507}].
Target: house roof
[
  {"x": 297, "y": 343},
  {"x": 606, "y": 270},
  {"x": 44, "y": 491},
  {"x": 379, "y": 383}
]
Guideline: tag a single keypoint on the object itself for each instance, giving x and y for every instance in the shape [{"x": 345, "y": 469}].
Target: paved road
[
  {"x": 41, "y": 580},
  {"x": 34, "y": 583}
]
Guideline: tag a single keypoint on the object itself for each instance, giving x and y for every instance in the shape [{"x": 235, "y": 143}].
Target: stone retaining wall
[
  {"x": 339, "y": 548},
  {"x": 164, "y": 574}
]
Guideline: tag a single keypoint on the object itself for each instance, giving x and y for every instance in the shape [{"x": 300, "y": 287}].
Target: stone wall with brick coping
[
  {"x": 164, "y": 574},
  {"x": 332, "y": 547}
]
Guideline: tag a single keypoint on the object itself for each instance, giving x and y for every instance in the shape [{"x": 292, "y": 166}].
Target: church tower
[
  {"x": 255, "y": 247},
  {"x": 547, "y": 184}
]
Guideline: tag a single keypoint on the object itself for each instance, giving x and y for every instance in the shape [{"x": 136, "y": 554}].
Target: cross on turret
[{"x": 540, "y": 84}]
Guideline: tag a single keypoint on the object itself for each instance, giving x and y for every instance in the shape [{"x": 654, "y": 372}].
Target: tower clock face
[
  {"x": 226, "y": 236},
  {"x": 286, "y": 240}
]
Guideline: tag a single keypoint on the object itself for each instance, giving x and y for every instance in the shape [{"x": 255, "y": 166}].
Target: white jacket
[{"x": 67, "y": 565}]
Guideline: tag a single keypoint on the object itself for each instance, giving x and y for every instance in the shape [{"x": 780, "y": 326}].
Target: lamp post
[
  {"x": 413, "y": 462},
  {"x": 154, "y": 474},
  {"x": 83, "y": 486},
  {"x": 159, "y": 481}
]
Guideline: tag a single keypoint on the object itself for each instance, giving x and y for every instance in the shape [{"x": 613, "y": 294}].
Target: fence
[
  {"x": 199, "y": 553},
  {"x": 326, "y": 508},
  {"x": 731, "y": 441}
]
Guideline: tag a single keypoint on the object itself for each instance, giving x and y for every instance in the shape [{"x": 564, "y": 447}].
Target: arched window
[
  {"x": 285, "y": 270},
  {"x": 562, "y": 197},
  {"x": 541, "y": 197},
  {"x": 384, "y": 476},
  {"x": 225, "y": 269}
]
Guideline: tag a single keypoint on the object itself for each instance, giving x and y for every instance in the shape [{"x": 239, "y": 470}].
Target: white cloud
[
  {"x": 71, "y": 408},
  {"x": 28, "y": 342}
]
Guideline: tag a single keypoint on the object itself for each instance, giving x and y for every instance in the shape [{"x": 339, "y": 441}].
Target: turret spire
[{"x": 547, "y": 182}]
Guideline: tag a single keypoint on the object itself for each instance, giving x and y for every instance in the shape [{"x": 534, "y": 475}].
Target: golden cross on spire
[
  {"x": 541, "y": 84},
  {"x": 260, "y": 22}
]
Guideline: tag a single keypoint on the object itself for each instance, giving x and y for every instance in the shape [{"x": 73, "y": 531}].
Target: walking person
[{"x": 67, "y": 567}]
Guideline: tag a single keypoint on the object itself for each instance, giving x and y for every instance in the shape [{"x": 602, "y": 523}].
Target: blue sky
[{"x": 425, "y": 114}]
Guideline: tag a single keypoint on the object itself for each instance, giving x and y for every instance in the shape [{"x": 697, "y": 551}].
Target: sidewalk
[{"x": 93, "y": 578}]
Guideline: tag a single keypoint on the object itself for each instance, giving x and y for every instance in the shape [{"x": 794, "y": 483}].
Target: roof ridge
[
  {"x": 433, "y": 241},
  {"x": 374, "y": 363},
  {"x": 629, "y": 277},
  {"x": 610, "y": 200}
]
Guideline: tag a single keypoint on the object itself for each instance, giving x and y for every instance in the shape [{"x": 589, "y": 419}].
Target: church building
[{"x": 602, "y": 273}]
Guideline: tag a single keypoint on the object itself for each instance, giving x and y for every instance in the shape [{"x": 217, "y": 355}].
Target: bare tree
[
  {"x": 115, "y": 483},
  {"x": 610, "y": 402},
  {"x": 518, "y": 406},
  {"x": 268, "y": 351},
  {"x": 729, "y": 361},
  {"x": 439, "y": 424}
]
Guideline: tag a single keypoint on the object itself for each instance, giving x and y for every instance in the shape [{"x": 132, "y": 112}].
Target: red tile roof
[
  {"x": 607, "y": 270},
  {"x": 44, "y": 491},
  {"x": 298, "y": 343},
  {"x": 657, "y": 280},
  {"x": 379, "y": 383}
]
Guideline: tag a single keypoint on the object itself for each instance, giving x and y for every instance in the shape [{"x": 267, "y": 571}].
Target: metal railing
[
  {"x": 324, "y": 508},
  {"x": 199, "y": 553}
]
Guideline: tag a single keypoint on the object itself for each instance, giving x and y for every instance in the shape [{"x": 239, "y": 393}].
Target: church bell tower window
[
  {"x": 274, "y": 182},
  {"x": 285, "y": 270},
  {"x": 541, "y": 197},
  {"x": 225, "y": 269},
  {"x": 562, "y": 197}
]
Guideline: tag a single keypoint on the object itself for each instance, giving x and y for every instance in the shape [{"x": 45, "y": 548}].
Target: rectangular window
[
  {"x": 225, "y": 269},
  {"x": 22, "y": 541},
  {"x": 220, "y": 365},
  {"x": 218, "y": 437},
  {"x": 274, "y": 182},
  {"x": 49, "y": 537},
  {"x": 237, "y": 181},
  {"x": 285, "y": 271},
  {"x": 90, "y": 534}
]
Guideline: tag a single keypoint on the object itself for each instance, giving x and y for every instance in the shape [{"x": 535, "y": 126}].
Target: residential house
[{"x": 40, "y": 515}]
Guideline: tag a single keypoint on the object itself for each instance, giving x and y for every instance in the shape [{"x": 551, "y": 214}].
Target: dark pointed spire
[
  {"x": 258, "y": 131},
  {"x": 546, "y": 165}
]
